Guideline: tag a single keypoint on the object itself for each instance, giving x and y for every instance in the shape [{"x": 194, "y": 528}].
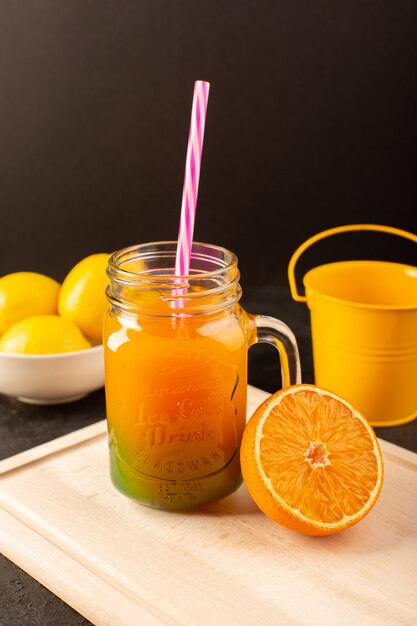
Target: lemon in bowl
[
  {"x": 43, "y": 334},
  {"x": 24, "y": 294},
  {"x": 82, "y": 297},
  {"x": 47, "y": 360}
]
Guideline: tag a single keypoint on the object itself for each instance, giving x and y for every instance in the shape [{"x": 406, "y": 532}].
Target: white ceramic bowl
[{"x": 51, "y": 378}]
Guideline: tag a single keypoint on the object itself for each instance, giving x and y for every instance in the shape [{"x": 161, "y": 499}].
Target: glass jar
[{"x": 176, "y": 373}]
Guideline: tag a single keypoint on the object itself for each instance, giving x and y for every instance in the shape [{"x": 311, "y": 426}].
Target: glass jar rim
[{"x": 168, "y": 248}]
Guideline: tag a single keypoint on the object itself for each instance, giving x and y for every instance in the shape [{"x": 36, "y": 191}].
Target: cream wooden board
[{"x": 119, "y": 563}]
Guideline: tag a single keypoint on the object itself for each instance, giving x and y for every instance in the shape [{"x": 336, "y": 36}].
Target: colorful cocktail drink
[
  {"x": 176, "y": 373},
  {"x": 176, "y": 342}
]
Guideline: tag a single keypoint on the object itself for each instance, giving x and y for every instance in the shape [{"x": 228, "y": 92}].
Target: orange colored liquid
[{"x": 176, "y": 406}]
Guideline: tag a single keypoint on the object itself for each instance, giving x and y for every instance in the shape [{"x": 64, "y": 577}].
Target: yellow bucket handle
[{"x": 336, "y": 231}]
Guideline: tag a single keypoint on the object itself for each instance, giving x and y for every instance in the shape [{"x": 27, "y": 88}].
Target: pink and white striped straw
[{"x": 191, "y": 178}]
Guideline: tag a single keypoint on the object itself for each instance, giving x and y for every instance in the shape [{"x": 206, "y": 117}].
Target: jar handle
[
  {"x": 276, "y": 333},
  {"x": 336, "y": 231}
]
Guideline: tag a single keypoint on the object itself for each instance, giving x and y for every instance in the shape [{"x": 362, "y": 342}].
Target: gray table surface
[{"x": 23, "y": 601}]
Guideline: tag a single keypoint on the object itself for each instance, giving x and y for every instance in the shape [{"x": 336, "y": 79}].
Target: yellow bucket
[{"x": 364, "y": 329}]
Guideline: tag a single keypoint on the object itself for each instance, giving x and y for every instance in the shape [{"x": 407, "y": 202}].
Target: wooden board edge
[
  {"x": 51, "y": 447},
  {"x": 81, "y": 588},
  {"x": 398, "y": 454},
  {"x": 76, "y": 437}
]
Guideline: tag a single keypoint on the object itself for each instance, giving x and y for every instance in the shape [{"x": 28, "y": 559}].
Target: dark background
[{"x": 311, "y": 124}]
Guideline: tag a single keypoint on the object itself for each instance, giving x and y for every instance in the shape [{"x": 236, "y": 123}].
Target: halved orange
[{"x": 310, "y": 461}]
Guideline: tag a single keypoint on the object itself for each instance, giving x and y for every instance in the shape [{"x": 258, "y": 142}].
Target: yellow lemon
[
  {"x": 43, "y": 334},
  {"x": 82, "y": 297},
  {"x": 24, "y": 294}
]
